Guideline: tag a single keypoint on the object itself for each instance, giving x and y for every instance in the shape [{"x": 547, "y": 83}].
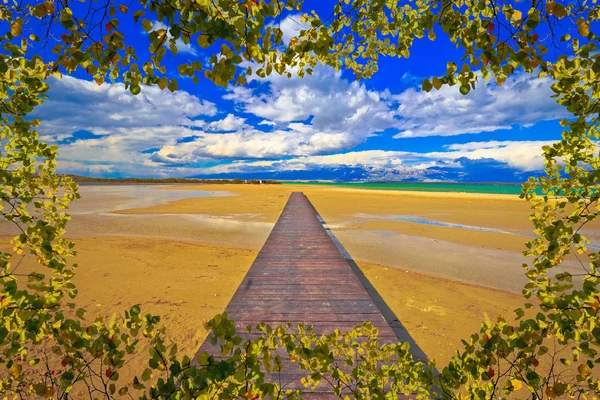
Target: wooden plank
[
  {"x": 322, "y": 327},
  {"x": 307, "y": 318},
  {"x": 261, "y": 296},
  {"x": 301, "y": 276}
]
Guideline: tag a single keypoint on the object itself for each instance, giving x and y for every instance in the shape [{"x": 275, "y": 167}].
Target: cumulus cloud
[
  {"x": 229, "y": 123},
  {"x": 524, "y": 155},
  {"x": 334, "y": 103},
  {"x": 358, "y": 164},
  {"x": 319, "y": 114},
  {"x": 77, "y": 104},
  {"x": 291, "y": 26},
  {"x": 322, "y": 112},
  {"x": 296, "y": 139},
  {"x": 522, "y": 100},
  {"x": 122, "y": 126},
  {"x": 125, "y": 152},
  {"x": 373, "y": 158},
  {"x": 282, "y": 124},
  {"x": 267, "y": 122},
  {"x": 344, "y": 114},
  {"x": 461, "y": 161}
]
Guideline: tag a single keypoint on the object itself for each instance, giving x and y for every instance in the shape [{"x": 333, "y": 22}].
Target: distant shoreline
[
  {"x": 400, "y": 183},
  {"x": 444, "y": 187},
  {"x": 85, "y": 180},
  {"x": 508, "y": 188}
]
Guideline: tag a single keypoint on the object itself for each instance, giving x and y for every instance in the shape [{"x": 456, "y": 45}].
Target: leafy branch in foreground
[{"x": 49, "y": 349}]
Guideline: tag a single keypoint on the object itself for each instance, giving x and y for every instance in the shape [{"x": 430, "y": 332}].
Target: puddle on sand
[
  {"x": 93, "y": 215},
  {"x": 199, "y": 228},
  {"x": 425, "y": 221},
  {"x": 220, "y": 223},
  {"x": 96, "y": 199},
  {"x": 494, "y": 268}
]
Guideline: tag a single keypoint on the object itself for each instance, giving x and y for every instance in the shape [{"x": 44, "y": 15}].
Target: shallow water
[
  {"x": 425, "y": 221},
  {"x": 94, "y": 216},
  {"x": 200, "y": 228},
  {"x": 489, "y": 188},
  {"x": 104, "y": 198},
  {"x": 494, "y": 268}
]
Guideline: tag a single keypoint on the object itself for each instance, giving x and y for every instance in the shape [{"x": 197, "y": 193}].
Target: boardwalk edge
[{"x": 388, "y": 314}]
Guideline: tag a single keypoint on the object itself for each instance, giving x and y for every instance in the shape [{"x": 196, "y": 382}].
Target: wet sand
[{"x": 182, "y": 254}]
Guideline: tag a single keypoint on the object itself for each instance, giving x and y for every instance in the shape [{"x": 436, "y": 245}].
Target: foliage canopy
[{"x": 49, "y": 349}]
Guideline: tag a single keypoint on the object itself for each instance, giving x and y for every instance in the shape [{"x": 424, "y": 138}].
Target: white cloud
[
  {"x": 77, "y": 104},
  {"x": 291, "y": 26},
  {"x": 229, "y": 123},
  {"x": 297, "y": 139},
  {"x": 340, "y": 114},
  {"x": 335, "y": 103},
  {"x": 370, "y": 158},
  {"x": 344, "y": 114},
  {"x": 123, "y": 151},
  {"x": 240, "y": 94},
  {"x": 524, "y": 155},
  {"x": 315, "y": 122},
  {"x": 123, "y": 125},
  {"x": 523, "y": 100}
]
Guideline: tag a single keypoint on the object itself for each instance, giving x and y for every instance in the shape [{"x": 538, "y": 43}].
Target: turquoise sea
[{"x": 498, "y": 188}]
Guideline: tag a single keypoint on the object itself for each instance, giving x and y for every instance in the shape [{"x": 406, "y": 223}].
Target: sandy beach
[{"x": 440, "y": 260}]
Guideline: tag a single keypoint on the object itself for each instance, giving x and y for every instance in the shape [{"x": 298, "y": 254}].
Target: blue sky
[{"x": 325, "y": 126}]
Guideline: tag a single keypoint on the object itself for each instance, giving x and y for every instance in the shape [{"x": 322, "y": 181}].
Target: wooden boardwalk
[{"x": 300, "y": 275}]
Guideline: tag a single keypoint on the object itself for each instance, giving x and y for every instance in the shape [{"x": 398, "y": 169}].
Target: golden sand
[
  {"x": 185, "y": 283},
  {"x": 436, "y": 312},
  {"x": 184, "y": 259},
  {"x": 476, "y": 257},
  {"x": 253, "y": 203}
]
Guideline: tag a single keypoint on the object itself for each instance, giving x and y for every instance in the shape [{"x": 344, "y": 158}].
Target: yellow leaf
[
  {"x": 516, "y": 384},
  {"x": 15, "y": 29},
  {"x": 517, "y": 15},
  {"x": 584, "y": 370},
  {"x": 16, "y": 370},
  {"x": 49, "y": 7},
  {"x": 584, "y": 29}
]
